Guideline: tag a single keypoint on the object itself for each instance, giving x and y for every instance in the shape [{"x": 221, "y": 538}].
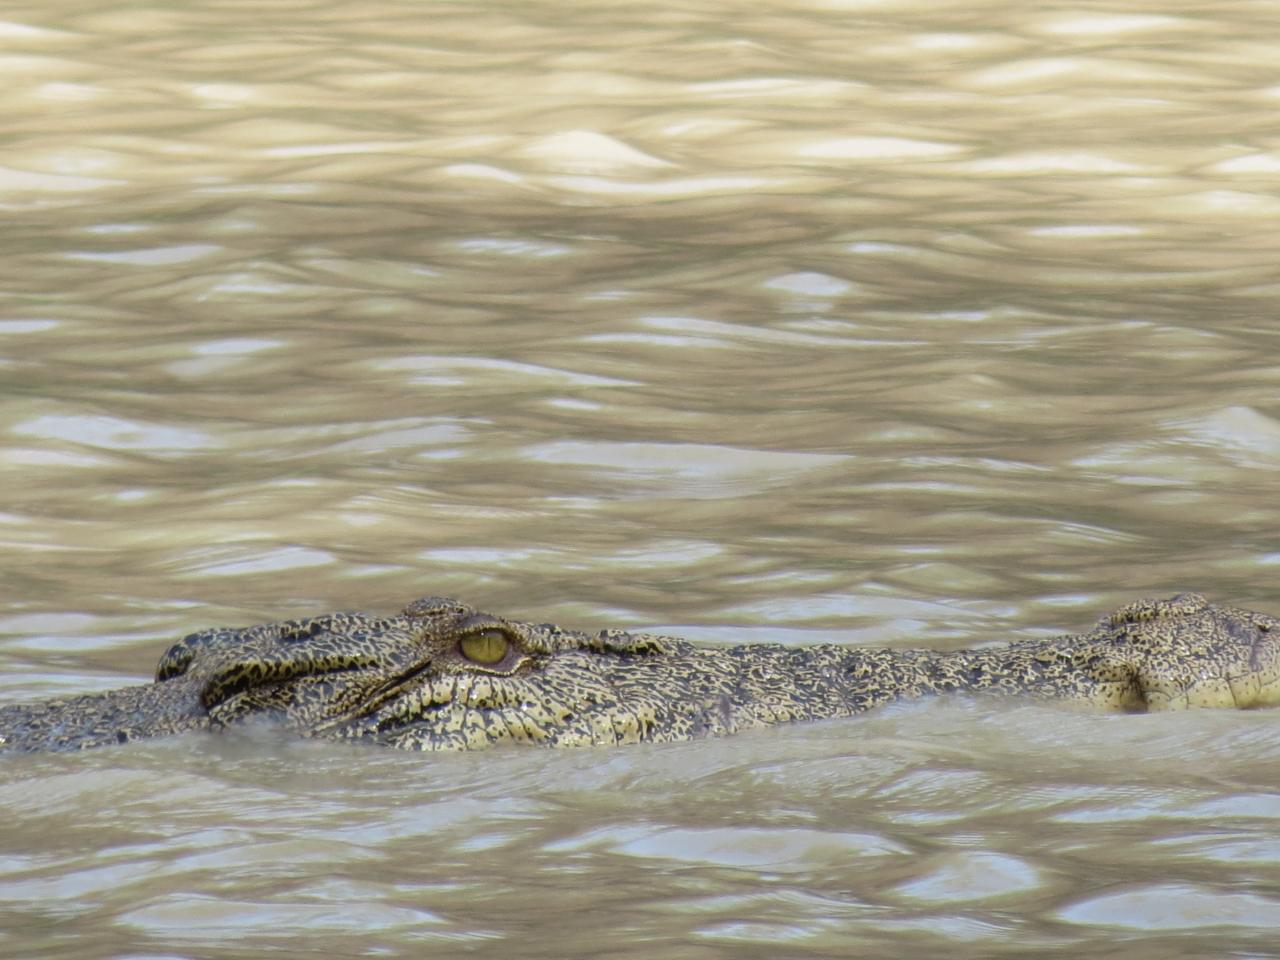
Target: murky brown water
[{"x": 907, "y": 322}]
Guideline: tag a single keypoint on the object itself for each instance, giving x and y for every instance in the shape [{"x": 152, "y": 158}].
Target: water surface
[{"x": 902, "y": 322}]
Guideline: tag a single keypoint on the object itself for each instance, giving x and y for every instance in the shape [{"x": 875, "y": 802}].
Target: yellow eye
[{"x": 487, "y": 647}]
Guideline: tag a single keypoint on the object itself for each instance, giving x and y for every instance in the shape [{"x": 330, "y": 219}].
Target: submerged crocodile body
[{"x": 443, "y": 676}]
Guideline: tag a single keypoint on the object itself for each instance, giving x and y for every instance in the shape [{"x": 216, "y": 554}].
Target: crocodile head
[{"x": 444, "y": 676}]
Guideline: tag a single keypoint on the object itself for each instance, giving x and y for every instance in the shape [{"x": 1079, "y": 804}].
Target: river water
[{"x": 904, "y": 322}]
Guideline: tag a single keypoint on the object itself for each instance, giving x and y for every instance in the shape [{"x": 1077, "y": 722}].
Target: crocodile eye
[{"x": 486, "y": 647}]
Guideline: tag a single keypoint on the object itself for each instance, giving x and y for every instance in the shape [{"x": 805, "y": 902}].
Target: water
[{"x": 900, "y": 322}]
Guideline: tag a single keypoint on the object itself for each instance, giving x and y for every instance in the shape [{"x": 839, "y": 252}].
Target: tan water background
[{"x": 909, "y": 322}]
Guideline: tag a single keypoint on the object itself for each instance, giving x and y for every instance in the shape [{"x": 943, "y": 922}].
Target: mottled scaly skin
[{"x": 443, "y": 676}]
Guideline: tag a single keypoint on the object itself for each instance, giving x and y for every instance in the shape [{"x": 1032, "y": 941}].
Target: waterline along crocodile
[{"x": 443, "y": 676}]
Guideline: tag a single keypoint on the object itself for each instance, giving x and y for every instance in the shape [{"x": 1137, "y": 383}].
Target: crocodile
[{"x": 441, "y": 675}]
